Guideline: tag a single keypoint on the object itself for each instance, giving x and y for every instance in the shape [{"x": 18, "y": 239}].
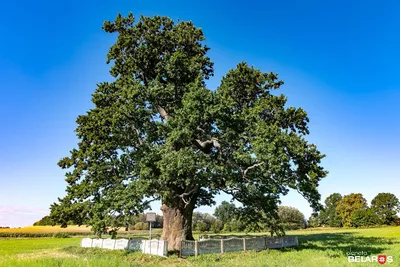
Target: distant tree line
[
  {"x": 353, "y": 211},
  {"x": 226, "y": 218},
  {"x": 339, "y": 211}
]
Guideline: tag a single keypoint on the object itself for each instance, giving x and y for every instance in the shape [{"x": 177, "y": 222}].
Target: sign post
[{"x": 150, "y": 217}]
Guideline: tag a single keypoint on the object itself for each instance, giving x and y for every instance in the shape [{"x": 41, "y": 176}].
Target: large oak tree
[{"x": 157, "y": 133}]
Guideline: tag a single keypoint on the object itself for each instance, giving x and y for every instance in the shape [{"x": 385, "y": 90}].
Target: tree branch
[
  {"x": 149, "y": 201},
  {"x": 244, "y": 172},
  {"x": 206, "y": 146},
  {"x": 140, "y": 139},
  {"x": 186, "y": 202},
  {"x": 182, "y": 196},
  {"x": 162, "y": 112},
  {"x": 200, "y": 129},
  {"x": 188, "y": 193},
  {"x": 141, "y": 142},
  {"x": 230, "y": 189}
]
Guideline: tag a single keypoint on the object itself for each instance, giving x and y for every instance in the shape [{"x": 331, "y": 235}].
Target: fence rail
[
  {"x": 211, "y": 245},
  {"x": 207, "y": 237}
]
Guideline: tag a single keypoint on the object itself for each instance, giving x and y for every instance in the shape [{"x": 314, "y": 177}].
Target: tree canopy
[
  {"x": 364, "y": 218},
  {"x": 225, "y": 212},
  {"x": 291, "y": 218},
  {"x": 386, "y": 206},
  {"x": 157, "y": 132},
  {"x": 329, "y": 214},
  {"x": 349, "y": 204},
  {"x": 46, "y": 220}
]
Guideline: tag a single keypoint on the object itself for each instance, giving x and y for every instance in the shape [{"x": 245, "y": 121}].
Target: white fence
[
  {"x": 154, "y": 247},
  {"x": 207, "y": 246}
]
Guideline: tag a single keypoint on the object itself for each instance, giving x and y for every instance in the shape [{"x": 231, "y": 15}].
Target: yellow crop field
[
  {"x": 46, "y": 229},
  {"x": 72, "y": 230}
]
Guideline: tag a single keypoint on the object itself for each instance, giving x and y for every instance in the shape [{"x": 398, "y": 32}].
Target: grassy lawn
[{"x": 317, "y": 248}]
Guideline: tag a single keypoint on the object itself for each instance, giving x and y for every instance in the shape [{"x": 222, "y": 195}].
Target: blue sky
[{"x": 339, "y": 61}]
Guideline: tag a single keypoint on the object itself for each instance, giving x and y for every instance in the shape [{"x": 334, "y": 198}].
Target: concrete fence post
[
  {"x": 222, "y": 245},
  {"x": 244, "y": 244},
  {"x": 196, "y": 249}
]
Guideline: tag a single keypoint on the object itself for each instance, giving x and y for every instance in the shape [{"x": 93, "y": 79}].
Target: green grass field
[{"x": 317, "y": 248}]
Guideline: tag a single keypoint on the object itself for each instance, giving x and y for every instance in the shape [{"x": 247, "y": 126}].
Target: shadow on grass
[{"x": 343, "y": 243}]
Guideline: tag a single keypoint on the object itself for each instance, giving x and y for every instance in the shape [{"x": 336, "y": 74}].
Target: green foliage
[
  {"x": 156, "y": 132},
  {"x": 353, "y": 208},
  {"x": 141, "y": 226},
  {"x": 132, "y": 220},
  {"x": 225, "y": 212},
  {"x": 202, "y": 221},
  {"x": 159, "y": 222},
  {"x": 216, "y": 226},
  {"x": 364, "y": 218},
  {"x": 314, "y": 220},
  {"x": 386, "y": 206},
  {"x": 201, "y": 227},
  {"x": 329, "y": 215},
  {"x": 291, "y": 218},
  {"x": 236, "y": 225},
  {"x": 226, "y": 228},
  {"x": 46, "y": 220},
  {"x": 61, "y": 235},
  {"x": 348, "y": 204}
]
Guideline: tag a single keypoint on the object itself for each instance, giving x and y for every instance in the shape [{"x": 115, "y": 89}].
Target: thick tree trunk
[{"x": 177, "y": 225}]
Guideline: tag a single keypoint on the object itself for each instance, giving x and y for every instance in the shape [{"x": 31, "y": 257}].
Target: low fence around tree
[
  {"x": 154, "y": 247},
  {"x": 230, "y": 244}
]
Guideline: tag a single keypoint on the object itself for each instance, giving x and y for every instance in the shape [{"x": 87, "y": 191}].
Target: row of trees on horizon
[
  {"x": 339, "y": 211},
  {"x": 353, "y": 211},
  {"x": 226, "y": 218}
]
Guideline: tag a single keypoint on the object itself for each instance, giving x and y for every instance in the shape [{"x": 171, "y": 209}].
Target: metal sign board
[{"x": 151, "y": 217}]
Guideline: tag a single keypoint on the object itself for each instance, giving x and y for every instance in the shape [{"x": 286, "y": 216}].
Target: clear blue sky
[{"x": 339, "y": 61}]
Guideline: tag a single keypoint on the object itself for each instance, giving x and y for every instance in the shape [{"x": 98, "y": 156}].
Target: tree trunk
[{"x": 177, "y": 224}]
